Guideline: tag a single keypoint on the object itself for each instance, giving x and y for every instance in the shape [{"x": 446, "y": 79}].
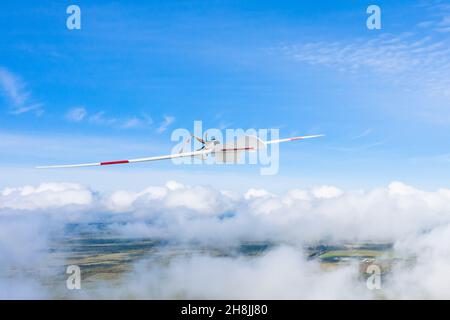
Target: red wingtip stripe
[
  {"x": 114, "y": 162},
  {"x": 238, "y": 149}
]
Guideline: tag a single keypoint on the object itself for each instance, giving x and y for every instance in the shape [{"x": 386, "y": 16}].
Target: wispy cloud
[
  {"x": 137, "y": 122},
  {"x": 132, "y": 123},
  {"x": 406, "y": 60},
  {"x": 76, "y": 114},
  {"x": 101, "y": 118},
  {"x": 13, "y": 87},
  {"x": 445, "y": 157},
  {"x": 81, "y": 114},
  {"x": 37, "y": 108},
  {"x": 438, "y": 17},
  {"x": 15, "y": 90},
  {"x": 363, "y": 134},
  {"x": 168, "y": 120}
]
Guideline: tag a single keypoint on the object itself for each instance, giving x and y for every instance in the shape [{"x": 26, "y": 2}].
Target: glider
[{"x": 224, "y": 153}]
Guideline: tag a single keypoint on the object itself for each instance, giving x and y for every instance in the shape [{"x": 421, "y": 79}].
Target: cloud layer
[
  {"x": 416, "y": 221},
  {"x": 204, "y": 213}
]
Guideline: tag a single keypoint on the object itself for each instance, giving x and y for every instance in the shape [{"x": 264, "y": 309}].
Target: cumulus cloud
[
  {"x": 197, "y": 199},
  {"x": 256, "y": 193},
  {"x": 282, "y": 273},
  {"x": 416, "y": 221},
  {"x": 325, "y": 212},
  {"x": 45, "y": 196},
  {"x": 326, "y": 192},
  {"x": 24, "y": 256}
]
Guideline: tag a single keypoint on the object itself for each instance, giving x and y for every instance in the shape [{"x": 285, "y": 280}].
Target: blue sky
[{"x": 136, "y": 71}]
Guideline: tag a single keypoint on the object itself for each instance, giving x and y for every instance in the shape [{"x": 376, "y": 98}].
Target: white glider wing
[
  {"x": 106, "y": 163},
  {"x": 232, "y": 152},
  {"x": 293, "y": 139},
  {"x": 228, "y": 153}
]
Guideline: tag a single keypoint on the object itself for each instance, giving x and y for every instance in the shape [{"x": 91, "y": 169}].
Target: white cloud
[
  {"x": 37, "y": 108},
  {"x": 408, "y": 60},
  {"x": 445, "y": 22},
  {"x": 101, "y": 118},
  {"x": 168, "y": 120},
  {"x": 256, "y": 193},
  {"x": 363, "y": 134},
  {"x": 326, "y": 192},
  {"x": 436, "y": 15},
  {"x": 170, "y": 200},
  {"x": 45, "y": 196},
  {"x": 417, "y": 221},
  {"x": 282, "y": 273},
  {"x": 427, "y": 277},
  {"x": 24, "y": 242},
  {"x": 14, "y": 88},
  {"x": 132, "y": 123},
  {"x": 298, "y": 215},
  {"x": 76, "y": 114},
  {"x": 136, "y": 122},
  {"x": 125, "y": 200}
]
